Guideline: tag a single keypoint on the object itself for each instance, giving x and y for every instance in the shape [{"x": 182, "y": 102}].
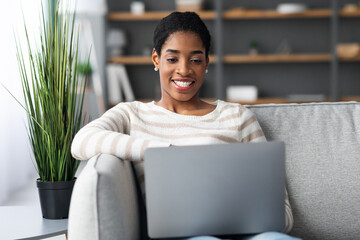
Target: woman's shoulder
[
  {"x": 231, "y": 106},
  {"x": 133, "y": 106}
]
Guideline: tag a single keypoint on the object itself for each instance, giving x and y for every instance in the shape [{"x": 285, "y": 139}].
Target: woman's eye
[
  {"x": 196, "y": 60},
  {"x": 171, "y": 60}
]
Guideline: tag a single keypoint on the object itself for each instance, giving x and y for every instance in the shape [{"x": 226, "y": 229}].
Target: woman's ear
[
  {"x": 155, "y": 58},
  {"x": 207, "y": 61}
]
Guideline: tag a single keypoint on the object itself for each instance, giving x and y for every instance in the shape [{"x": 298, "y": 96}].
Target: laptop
[{"x": 220, "y": 189}]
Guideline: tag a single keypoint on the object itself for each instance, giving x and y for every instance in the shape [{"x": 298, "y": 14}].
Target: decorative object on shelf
[
  {"x": 119, "y": 84},
  {"x": 348, "y": 50},
  {"x": 284, "y": 47},
  {"x": 288, "y": 8},
  {"x": 351, "y": 7},
  {"x": 116, "y": 42},
  {"x": 137, "y": 7},
  {"x": 53, "y": 105},
  {"x": 242, "y": 93},
  {"x": 147, "y": 50},
  {"x": 189, "y": 5},
  {"x": 253, "y": 48}
]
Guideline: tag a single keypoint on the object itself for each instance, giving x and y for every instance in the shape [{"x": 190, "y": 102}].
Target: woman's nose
[{"x": 183, "y": 68}]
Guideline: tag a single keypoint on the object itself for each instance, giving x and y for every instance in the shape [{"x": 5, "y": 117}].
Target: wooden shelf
[
  {"x": 353, "y": 98},
  {"x": 131, "y": 60},
  {"x": 230, "y": 14},
  {"x": 234, "y": 14},
  {"x": 127, "y": 16},
  {"x": 264, "y": 14},
  {"x": 355, "y": 13},
  {"x": 271, "y": 58},
  {"x": 139, "y": 60},
  {"x": 260, "y": 14},
  {"x": 277, "y": 58}
]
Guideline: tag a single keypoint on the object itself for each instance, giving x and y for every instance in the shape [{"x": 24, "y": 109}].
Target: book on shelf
[{"x": 119, "y": 84}]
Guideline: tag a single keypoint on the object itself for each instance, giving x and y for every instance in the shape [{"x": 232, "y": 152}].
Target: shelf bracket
[
  {"x": 219, "y": 68},
  {"x": 334, "y": 69}
]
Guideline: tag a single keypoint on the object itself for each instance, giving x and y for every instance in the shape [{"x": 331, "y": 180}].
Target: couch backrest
[{"x": 322, "y": 164}]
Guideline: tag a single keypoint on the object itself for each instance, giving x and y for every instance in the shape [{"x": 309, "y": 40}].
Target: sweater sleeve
[
  {"x": 252, "y": 132},
  {"x": 110, "y": 134},
  {"x": 289, "y": 219},
  {"x": 250, "y": 128}
]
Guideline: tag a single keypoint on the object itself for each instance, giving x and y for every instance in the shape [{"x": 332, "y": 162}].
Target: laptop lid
[{"x": 221, "y": 189}]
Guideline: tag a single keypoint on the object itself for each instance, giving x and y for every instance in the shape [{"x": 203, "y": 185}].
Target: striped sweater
[{"x": 129, "y": 128}]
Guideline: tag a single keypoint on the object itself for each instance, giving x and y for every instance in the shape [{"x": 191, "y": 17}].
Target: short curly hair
[{"x": 183, "y": 22}]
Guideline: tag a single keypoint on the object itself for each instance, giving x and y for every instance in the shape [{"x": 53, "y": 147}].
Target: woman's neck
[{"x": 195, "y": 106}]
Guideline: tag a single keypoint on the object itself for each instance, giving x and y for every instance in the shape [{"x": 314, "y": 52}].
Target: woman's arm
[
  {"x": 110, "y": 134},
  {"x": 250, "y": 128},
  {"x": 289, "y": 219}
]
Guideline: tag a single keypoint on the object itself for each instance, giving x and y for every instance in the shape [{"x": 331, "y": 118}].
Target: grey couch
[{"x": 323, "y": 176}]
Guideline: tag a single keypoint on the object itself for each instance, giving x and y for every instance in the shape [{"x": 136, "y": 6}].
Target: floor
[{"x": 28, "y": 196}]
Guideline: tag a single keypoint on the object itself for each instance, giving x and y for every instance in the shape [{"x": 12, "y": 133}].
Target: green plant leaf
[{"x": 53, "y": 94}]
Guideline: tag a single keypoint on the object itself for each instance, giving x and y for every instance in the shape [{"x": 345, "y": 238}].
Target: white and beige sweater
[{"x": 127, "y": 129}]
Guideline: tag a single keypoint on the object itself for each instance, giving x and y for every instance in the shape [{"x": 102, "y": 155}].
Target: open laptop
[{"x": 221, "y": 189}]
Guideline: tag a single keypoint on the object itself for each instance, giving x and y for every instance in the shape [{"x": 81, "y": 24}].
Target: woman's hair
[{"x": 181, "y": 22}]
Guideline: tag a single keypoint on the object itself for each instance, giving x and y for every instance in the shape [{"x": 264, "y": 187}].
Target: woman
[{"x": 180, "y": 117}]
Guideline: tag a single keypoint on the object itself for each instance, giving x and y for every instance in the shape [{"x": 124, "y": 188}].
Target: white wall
[{"x": 16, "y": 164}]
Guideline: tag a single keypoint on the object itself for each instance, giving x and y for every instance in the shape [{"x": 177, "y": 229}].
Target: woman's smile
[{"x": 183, "y": 84}]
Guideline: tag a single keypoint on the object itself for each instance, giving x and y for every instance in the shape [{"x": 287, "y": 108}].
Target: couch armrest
[{"x": 104, "y": 202}]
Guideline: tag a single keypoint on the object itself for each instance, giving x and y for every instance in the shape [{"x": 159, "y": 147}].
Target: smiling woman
[{"x": 180, "y": 117}]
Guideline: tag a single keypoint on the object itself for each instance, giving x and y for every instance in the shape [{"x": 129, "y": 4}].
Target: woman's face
[{"x": 182, "y": 66}]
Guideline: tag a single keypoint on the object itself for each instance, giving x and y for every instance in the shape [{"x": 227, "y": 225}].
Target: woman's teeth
[{"x": 182, "y": 83}]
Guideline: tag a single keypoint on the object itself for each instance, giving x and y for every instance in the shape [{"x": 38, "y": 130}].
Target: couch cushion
[
  {"x": 83, "y": 214},
  {"x": 104, "y": 203},
  {"x": 323, "y": 164}
]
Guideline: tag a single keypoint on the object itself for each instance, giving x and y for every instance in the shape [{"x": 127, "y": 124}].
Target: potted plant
[{"x": 54, "y": 106}]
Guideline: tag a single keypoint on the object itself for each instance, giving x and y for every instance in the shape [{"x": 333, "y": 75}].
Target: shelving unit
[
  {"x": 233, "y": 14},
  {"x": 265, "y": 14},
  {"x": 276, "y": 58},
  {"x": 270, "y": 58},
  {"x": 218, "y": 17},
  {"x": 126, "y": 16},
  {"x": 139, "y": 60}
]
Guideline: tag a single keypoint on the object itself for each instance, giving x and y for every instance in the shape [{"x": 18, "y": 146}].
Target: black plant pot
[{"x": 55, "y": 198}]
